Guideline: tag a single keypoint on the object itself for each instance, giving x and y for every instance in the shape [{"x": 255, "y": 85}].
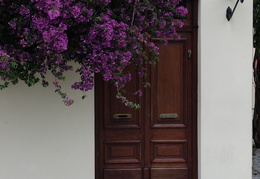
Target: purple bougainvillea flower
[{"x": 100, "y": 36}]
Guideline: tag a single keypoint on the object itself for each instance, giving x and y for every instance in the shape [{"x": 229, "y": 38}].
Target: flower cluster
[{"x": 102, "y": 36}]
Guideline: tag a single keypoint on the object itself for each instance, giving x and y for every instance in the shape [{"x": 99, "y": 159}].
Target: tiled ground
[{"x": 256, "y": 165}]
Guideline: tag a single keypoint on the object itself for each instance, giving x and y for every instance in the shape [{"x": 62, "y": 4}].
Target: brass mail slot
[
  {"x": 122, "y": 116},
  {"x": 169, "y": 116}
]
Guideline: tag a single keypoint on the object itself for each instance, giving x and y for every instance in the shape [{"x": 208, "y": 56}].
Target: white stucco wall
[
  {"x": 40, "y": 138},
  {"x": 225, "y": 92}
]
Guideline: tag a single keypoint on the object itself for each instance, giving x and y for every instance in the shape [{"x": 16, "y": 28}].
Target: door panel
[
  {"x": 168, "y": 151},
  {"x": 117, "y": 115},
  {"x": 169, "y": 83},
  {"x": 122, "y": 173},
  {"x": 127, "y": 151},
  {"x": 170, "y": 96},
  {"x": 169, "y": 173},
  {"x": 121, "y": 134}
]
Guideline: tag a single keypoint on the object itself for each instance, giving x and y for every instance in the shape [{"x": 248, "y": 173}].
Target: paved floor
[{"x": 256, "y": 165}]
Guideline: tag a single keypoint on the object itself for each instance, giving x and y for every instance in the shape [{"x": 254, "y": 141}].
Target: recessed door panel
[
  {"x": 123, "y": 173},
  {"x": 168, "y": 81},
  {"x": 117, "y": 115},
  {"x": 169, "y": 173},
  {"x": 123, "y": 151},
  {"x": 169, "y": 151}
]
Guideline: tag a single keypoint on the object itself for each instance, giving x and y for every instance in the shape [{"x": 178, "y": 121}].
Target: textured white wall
[
  {"x": 225, "y": 78},
  {"x": 40, "y": 138}
]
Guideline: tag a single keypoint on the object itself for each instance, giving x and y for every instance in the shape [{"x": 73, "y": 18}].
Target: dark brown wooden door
[{"x": 157, "y": 141}]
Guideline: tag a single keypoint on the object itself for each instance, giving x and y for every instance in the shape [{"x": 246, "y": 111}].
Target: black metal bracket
[{"x": 230, "y": 12}]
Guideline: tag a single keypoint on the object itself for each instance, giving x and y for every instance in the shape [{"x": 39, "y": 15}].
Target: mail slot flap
[
  {"x": 168, "y": 115},
  {"x": 122, "y": 116}
]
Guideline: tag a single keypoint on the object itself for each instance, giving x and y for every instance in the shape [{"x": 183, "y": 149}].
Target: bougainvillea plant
[{"x": 101, "y": 36}]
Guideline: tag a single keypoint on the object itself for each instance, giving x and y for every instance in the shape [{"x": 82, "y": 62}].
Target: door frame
[{"x": 99, "y": 95}]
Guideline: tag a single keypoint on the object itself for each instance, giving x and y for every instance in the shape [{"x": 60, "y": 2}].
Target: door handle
[
  {"x": 168, "y": 115},
  {"x": 122, "y": 116},
  {"x": 189, "y": 53}
]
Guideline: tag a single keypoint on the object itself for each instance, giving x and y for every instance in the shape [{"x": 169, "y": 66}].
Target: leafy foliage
[{"x": 102, "y": 36}]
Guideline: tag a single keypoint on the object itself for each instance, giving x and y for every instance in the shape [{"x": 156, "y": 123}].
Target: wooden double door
[{"x": 158, "y": 141}]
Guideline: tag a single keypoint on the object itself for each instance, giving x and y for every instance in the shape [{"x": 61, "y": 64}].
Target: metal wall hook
[{"x": 230, "y": 12}]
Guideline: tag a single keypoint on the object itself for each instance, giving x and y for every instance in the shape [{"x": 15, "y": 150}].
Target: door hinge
[{"x": 189, "y": 53}]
